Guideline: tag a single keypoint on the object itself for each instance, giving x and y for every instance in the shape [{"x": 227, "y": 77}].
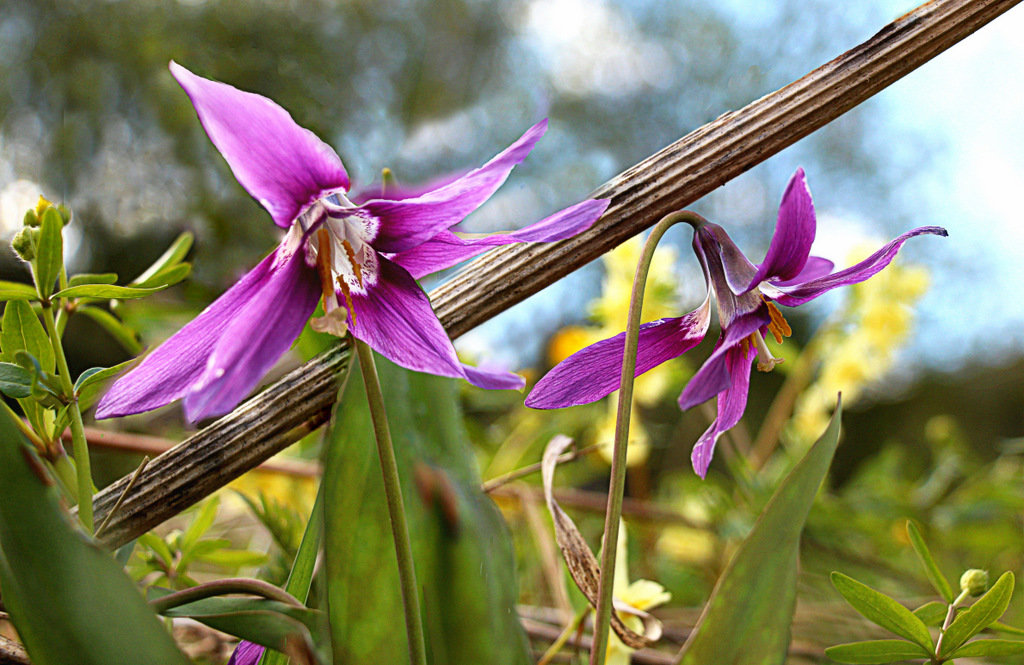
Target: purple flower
[
  {"x": 246, "y": 653},
  {"x": 746, "y": 295},
  {"x": 362, "y": 260}
]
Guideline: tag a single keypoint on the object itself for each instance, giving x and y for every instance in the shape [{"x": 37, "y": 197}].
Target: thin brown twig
[
  {"x": 489, "y": 486},
  {"x": 671, "y": 179},
  {"x": 131, "y": 483},
  {"x": 595, "y": 502}
]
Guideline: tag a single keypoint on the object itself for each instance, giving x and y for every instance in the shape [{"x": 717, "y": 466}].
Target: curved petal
[
  {"x": 408, "y": 222},
  {"x": 793, "y": 237},
  {"x": 714, "y": 246},
  {"x": 446, "y": 249},
  {"x": 399, "y": 192},
  {"x": 732, "y": 402},
  {"x": 714, "y": 375},
  {"x": 809, "y": 290},
  {"x": 815, "y": 267},
  {"x": 167, "y": 373},
  {"x": 282, "y": 165},
  {"x": 255, "y": 337},
  {"x": 593, "y": 372},
  {"x": 395, "y": 319}
]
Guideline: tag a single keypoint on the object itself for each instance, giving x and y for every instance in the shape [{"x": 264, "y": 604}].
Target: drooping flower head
[
  {"x": 746, "y": 295},
  {"x": 246, "y": 653},
  {"x": 361, "y": 260}
]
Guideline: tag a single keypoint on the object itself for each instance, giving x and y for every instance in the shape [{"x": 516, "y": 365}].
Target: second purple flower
[{"x": 746, "y": 296}]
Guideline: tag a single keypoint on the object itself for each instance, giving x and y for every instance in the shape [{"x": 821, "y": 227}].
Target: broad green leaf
[
  {"x": 933, "y": 613},
  {"x": 173, "y": 256},
  {"x": 883, "y": 610},
  {"x": 15, "y": 380},
  {"x": 233, "y": 559},
  {"x": 106, "y": 291},
  {"x": 21, "y": 330},
  {"x": 201, "y": 523},
  {"x": 267, "y": 622},
  {"x": 980, "y": 615},
  {"x": 986, "y": 648},
  {"x": 92, "y": 382},
  {"x": 1004, "y": 628},
  {"x": 49, "y": 252},
  {"x": 301, "y": 576},
  {"x": 747, "y": 619},
  {"x": 89, "y": 278},
  {"x": 461, "y": 545},
  {"x": 167, "y": 277},
  {"x": 876, "y": 651},
  {"x": 59, "y": 588},
  {"x": 17, "y": 291},
  {"x": 931, "y": 568},
  {"x": 118, "y": 330}
]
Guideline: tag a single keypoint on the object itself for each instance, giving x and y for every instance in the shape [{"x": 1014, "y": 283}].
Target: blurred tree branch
[{"x": 674, "y": 177}]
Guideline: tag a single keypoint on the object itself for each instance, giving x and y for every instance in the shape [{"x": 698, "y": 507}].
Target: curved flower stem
[
  {"x": 603, "y": 612},
  {"x": 223, "y": 587},
  {"x": 396, "y": 510},
  {"x": 78, "y": 443}
]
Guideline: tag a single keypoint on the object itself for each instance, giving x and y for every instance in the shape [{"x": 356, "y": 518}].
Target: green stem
[
  {"x": 950, "y": 614},
  {"x": 78, "y": 444},
  {"x": 603, "y": 612},
  {"x": 222, "y": 588},
  {"x": 396, "y": 510},
  {"x": 24, "y": 428}
]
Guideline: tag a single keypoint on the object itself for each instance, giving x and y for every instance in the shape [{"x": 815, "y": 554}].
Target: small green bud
[
  {"x": 24, "y": 243},
  {"x": 974, "y": 581},
  {"x": 31, "y": 218},
  {"x": 65, "y": 213}
]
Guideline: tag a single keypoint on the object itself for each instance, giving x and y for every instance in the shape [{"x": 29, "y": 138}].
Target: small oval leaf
[
  {"x": 883, "y": 610},
  {"x": 91, "y": 278},
  {"x": 931, "y": 568},
  {"x": 873, "y": 652},
  {"x": 49, "y": 252},
  {"x": 986, "y": 648},
  {"x": 167, "y": 277},
  {"x": 933, "y": 613},
  {"x": 173, "y": 256},
  {"x": 17, "y": 291},
  {"x": 22, "y": 331},
  {"x": 15, "y": 380},
  {"x": 106, "y": 291}
]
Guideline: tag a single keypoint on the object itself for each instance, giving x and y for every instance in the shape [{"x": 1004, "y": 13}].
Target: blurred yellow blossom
[
  {"x": 859, "y": 348},
  {"x": 640, "y": 595}
]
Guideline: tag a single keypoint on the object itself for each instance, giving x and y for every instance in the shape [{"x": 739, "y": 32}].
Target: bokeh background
[{"x": 90, "y": 116}]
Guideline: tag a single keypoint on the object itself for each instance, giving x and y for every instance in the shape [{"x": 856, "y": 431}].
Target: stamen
[
  {"x": 357, "y": 268},
  {"x": 348, "y": 298},
  {"x": 323, "y": 264},
  {"x": 766, "y": 362},
  {"x": 778, "y": 327}
]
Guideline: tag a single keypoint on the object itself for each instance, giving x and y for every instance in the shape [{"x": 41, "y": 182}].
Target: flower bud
[
  {"x": 24, "y": 243},
  {"x": 65, "y": 213},
  {"x": 974, "y": 581},
  {"x": 31, "y": 218}
]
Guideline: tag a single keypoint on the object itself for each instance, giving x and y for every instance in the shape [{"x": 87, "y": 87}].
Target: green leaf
[
  {"x": 985, "y": 648},
  {"x": 167, "y": 277},
  {"x": 118, "y": 330},
  {"x": 15, "y": 380},
  {"x": 21, "y": 330},
  {"x": 931, "y": 568},
  {"x": 747, "y": 619},
  {"x": 267, "y": 622},
  {"x": 54, "y": 580},
  {"x": 17, "y": 291},
  {"x": 173, "y": 256},
  {"x": 933, "y": 613},
  {"x": 461, "y": 545},
  {"x": 200, "y": 524},
  {"x": 883, "y": 610},
  {"x": 233, "y": 559},
  {"x": 980, "y": 615},
  {"x": 106, "y": 291},
  {"x": 876, "y": 651},
  {"x": 87, "y": 278},
  {"x": 157, "y": 545},
  {"x": 50, "y": 251},
  {"x": 91, "y": 382},
  {"x": 301, "y": 576},
  {"x": 1004, "y": 628}
]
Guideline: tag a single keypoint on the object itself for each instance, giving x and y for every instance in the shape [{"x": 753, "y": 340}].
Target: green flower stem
[
  {"x": 223, "y": 587},
  {"x": 950, "y": 614},
  {"x": 396, "y": 510},
  {"x": 78, "y": 443},
  {"x": 613, "y": 512}
]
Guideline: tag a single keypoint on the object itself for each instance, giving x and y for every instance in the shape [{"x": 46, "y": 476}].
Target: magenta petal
[
  {"x": 793, "y": 237},
  {"x": 731, "y": 403},
  {"x": 446, "y": 249},
  {"x": 493, "y": 379},
  {"x": 809, "y": 290},
  {"x": 713, "y": 376},
  {"x": 815, "y": 267},
  {"x": 396, "y": 320},
  {"x": 246, "y": 653},
  {"x": 252, "y": 340},
  {"x": 282, "y": 165},
  {"x": 593, "y": 372},
  {"x": 167, "y": 373},
  {"x": 409, "y": 222}
]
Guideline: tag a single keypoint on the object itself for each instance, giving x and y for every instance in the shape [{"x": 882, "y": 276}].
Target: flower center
[{"x": 778, "y": 327}]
